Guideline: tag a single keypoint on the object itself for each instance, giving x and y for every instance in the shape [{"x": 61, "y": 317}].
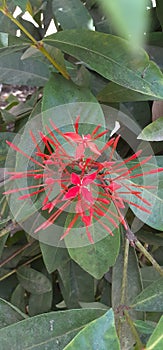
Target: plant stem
[
  {"x": 149, "y": 257},
  {"x": 124, "y": 277},
  {"x": 124, "y": 281},
  {"x": 133, "y": 330},
  {"x": 18, "y": 251},
  {"x": 37, "y": 44},
  {"x": 14, "y": 270}
]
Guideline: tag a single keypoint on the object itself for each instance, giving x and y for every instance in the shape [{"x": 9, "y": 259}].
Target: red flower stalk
[{"x": 93, "y": 186}]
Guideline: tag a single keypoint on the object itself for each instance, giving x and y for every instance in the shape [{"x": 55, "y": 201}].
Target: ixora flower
[{"x": 92, "y": 186}]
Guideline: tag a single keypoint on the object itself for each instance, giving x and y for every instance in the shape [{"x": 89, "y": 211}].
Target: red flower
[
  {"x": 85, "y": 141},
  {"x": 92, "y": 185},
  {"x": 81, "y": 187}
]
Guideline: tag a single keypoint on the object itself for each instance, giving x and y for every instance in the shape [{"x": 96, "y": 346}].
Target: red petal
[
  {"x": 88, "y": 179},
  {"x": 114, "y": 186},
  {"x": 28, "y": 195},
  {"x": 46, "y": 206},
  {"x": 101, "y": 134},
  {"x": 152, "y": 171},
  {"x": 87, "y": 195},
  {"x": 73, "y": 136},
  {"x": 93, "y": 147},
  {"x": 87, "y": 219},
  {"x": 89, "y": 236},
  {"x": 75, "y": 179},
  {"x": 77, "y": 123},
  {"x": 79, "y": 151},
  {"x": 72, "y": 193}
]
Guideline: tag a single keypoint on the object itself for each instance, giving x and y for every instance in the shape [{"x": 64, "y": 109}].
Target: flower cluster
[{"x": 80, "y": 178}]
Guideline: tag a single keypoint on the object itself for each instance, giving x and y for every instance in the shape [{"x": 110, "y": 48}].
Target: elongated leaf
[
  {"x": 54, "y": 330},
  {"x": 6, "y": 23},
  {"x": 144, "y": 327},
  {"x": 9, "y": 314},
  {"x": 29, "y": 72},
  {"x": 98, "y": 257},
  {"x": 4, "y": 147},
  {"x": 72, "y": 14},
  {"x": 21, "y": 3},
  {"x": 54, "y": 257},
  {"x": 71, "y": 101},
  {"x": 153, "y": 131},
  {"x": 33, "y": 281},
  {"x": 109, "y": 56},
  {"x": 100, "y": 332},
  {"x": 18, "y": 297},
  {"x": 10, "y": 43},
  {"x": 54, "y": 93},
  {"x": 155, "y": 342},
  {"x": 76, "y": 284},
  {"x": 38, "y": 304},
  {"x": 149, "y": 275},
  {"x": 151, "y": 298},
  {"x": 116, "y": 93},
  {"x": 154, "y": 197}
]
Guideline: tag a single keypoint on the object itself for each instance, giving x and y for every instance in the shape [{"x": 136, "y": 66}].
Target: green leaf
[
  {"x": 38, "y": 304},
  {"x": 144, "y": 327},
  {"x": 9, "y": 314},
  {"x": 149, "y": 275},
  {"x": 99, "y": 333},
  {"x": 76, "y": 284},
  {"x": 33, "y": 281},
  {"x": 116, "y": 93},
  {"x": 72, "y": 14},
  {"x": 4, "y": 147},
  {"x": 151, "y": 298},
  {"x": 59, "y": 91},
  {"x": 155, "y": 342},
  {"x": 11, "y": 43},
  {"x": 6, "y": 23},
  {"x": 109, "y": 56},
  {"x": 134, "y": 287},
  {"x": 153, "y": 131},
  {"x": 129, "y": 18},
  {"x": 8, "y": 285},
  {"x": 94, "y": 304},
  {"x": 53, "y": 257},
  {"x": 21, "y": 3},
  {"x": 18, "y": 297},
  {"x": 29, "y": 72},
  {"x": 98, "y": 257},
  {"x": 71, "y": 101},
  {"x": 54, "y": 330},
  {"x": 155, "y": 196}
]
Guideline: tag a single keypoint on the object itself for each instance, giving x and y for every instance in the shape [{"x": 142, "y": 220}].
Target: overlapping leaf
[{"x": 110, "y": 56}]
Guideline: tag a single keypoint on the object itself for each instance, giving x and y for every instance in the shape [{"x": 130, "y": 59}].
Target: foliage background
[{"x": 52, "y": 298}]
